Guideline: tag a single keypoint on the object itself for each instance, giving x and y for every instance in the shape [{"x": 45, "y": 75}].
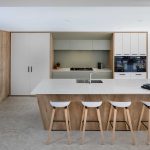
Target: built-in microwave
[{"x": 130, "y": 64}]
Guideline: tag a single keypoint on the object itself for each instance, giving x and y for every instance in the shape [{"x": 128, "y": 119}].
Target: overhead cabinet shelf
[{"x": 82, "y": 44}]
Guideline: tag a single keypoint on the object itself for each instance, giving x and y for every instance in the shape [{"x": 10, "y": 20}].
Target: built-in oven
[
  {"x": 121, "y": 64},
  {"x": 138, "y": 63},
  {"x": 130, "y": 64}
]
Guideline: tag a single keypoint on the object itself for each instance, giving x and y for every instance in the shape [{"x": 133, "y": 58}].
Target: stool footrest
[
  {"x": 120, "y": 121},
  {"x": 143, "y": 123},
  {"x": 91, "y": 121},
  {"x": 59, "y": 121}
]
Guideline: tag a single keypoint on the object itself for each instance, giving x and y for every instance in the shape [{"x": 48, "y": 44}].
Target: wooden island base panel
[{"x": 76, "y": 107}]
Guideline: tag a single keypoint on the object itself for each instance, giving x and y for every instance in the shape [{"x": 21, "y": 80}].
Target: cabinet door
[
  {"x": 19, "y": 64},
  {"x": 81, "y": 44},
  {"x": 142, "y": 44},
  {"x": 138, "y": 75},
  {"x": 121, "y": 75},
  {"x": 39, "y": 58},
  {"x": 101, "y": 44},
  {"x": 134, "y": 44},
  {"x": 62, "y": 44},
  {"x": 118, "y": 44},
  {"x": 126, "y": 44}
]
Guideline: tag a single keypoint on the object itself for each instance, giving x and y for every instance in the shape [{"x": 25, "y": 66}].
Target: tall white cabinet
[
  {"x": 30, "y": 61},
  {"x": 130, "y": 44}
]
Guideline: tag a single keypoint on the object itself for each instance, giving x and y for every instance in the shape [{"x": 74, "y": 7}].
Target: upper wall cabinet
[
  {"x": 126, "y": 44},
  {"x": 142, "y": 43},
  {"x": 133, "y": 44},
  {"x": 62, "y": 44},
  {"x": 118, "y": 44},
  {"x": 82, "y": 44},
  {"x": 101, "y": 44}
]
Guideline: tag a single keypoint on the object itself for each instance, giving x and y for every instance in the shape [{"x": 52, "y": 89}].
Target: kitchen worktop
[
  {"x": 94, "y": 70},
  {"x": 109, "y": 86}
]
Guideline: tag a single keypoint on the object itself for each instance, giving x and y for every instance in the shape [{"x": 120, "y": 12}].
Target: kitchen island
[{"x": 110, "y": 89}]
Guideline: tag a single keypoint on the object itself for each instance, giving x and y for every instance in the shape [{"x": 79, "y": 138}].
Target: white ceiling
[
  {"x": 90, "y": 3},
  {"x": 91, "y": 19}
]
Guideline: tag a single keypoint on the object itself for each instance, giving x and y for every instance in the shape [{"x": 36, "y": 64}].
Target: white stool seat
[
  {"x": 60, "y": 104},
  {"x": 91, "y": 104},
  {"x": 146, "y": 103},
  {"x": 120, "y": 104}
]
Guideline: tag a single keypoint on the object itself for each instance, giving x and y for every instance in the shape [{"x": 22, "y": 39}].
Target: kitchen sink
[{"x": 88, "y": 81}]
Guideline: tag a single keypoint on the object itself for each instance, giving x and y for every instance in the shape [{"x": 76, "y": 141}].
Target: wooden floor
[{"x": 76, "y": 110}]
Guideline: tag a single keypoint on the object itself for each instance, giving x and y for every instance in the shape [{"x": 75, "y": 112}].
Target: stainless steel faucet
[{"x": 91, "y": 77}]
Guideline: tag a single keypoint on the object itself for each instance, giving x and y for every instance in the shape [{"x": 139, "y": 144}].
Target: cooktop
[{"x": 81, "y": 69}]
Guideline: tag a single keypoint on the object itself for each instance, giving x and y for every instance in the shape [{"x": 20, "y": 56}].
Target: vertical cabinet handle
[
  {"x": 31, "y": 68},
  {"x": 28, "y": 69}
]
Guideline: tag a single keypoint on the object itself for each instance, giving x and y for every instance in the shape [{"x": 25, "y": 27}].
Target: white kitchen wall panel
[{"x": 30, "y": 61}]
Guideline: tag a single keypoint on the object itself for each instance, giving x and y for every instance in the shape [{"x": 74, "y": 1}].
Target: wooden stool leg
[
  {"x": 109, "y": 117},
  {"x": 50, "y": 126},
  {"x": 125, "y": 117},
  {"x": 148, "y": 137},
  {"x": 82, "y": 118},
  {"x": 100, "y": 124},
  {"x": 141, "y": 116},
  {"x": 130, "y": 124},
  {"x": 67, "y": 125},
  {"x": 84, "y": 125},
  {"x": 114, "y": 125},
  {"x": 69, "y": 120}
]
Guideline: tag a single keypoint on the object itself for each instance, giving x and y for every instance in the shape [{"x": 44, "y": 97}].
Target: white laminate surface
[{"x": 109, "y": 86}]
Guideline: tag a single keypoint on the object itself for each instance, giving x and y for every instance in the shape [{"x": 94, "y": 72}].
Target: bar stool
[
  {"x": 125, "y": 106},
  {"x": 86, "y": 106},
  {"x": 64, "y": 105},
  {"x": 145, "y": 105}
]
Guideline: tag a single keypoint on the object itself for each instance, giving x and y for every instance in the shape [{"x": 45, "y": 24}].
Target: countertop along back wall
[{"x": 81, "y": 58}]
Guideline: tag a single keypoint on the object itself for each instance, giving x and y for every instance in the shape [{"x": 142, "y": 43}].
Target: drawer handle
[
  {"x": 118, "y": 54},
  {"x": 126, "y": 54},
  {"x": 138, "y": 74},
  {"x": 122, "y": 74},
  {"x": 134, "y": 54}
]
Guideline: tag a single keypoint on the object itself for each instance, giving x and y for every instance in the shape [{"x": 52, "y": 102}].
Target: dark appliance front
[{"x": 130, "y": 63}]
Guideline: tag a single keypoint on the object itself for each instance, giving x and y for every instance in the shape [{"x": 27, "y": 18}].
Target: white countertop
[
  {"x": 109, "y": 86},
  {"x": 94, "y": 70}
]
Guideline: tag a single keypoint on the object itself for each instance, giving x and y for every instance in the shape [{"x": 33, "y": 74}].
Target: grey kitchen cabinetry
[
  {"x": 82, "y": 44},
  {"x": 81, "y": 75}
]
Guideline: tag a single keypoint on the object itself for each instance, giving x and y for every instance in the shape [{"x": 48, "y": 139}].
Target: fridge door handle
[
  {"x": 31, "y": 68},
  {"x": 28, "y": 69}
]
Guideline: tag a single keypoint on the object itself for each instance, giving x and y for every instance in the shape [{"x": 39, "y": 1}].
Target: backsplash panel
[{"x": 81, "y": 58}]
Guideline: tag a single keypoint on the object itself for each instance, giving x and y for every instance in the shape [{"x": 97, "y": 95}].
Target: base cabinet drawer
[
  {"x": 121, "y": 75},
  {"x": 133, "y": 75},
  {"x": 138, "y": 75}
]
